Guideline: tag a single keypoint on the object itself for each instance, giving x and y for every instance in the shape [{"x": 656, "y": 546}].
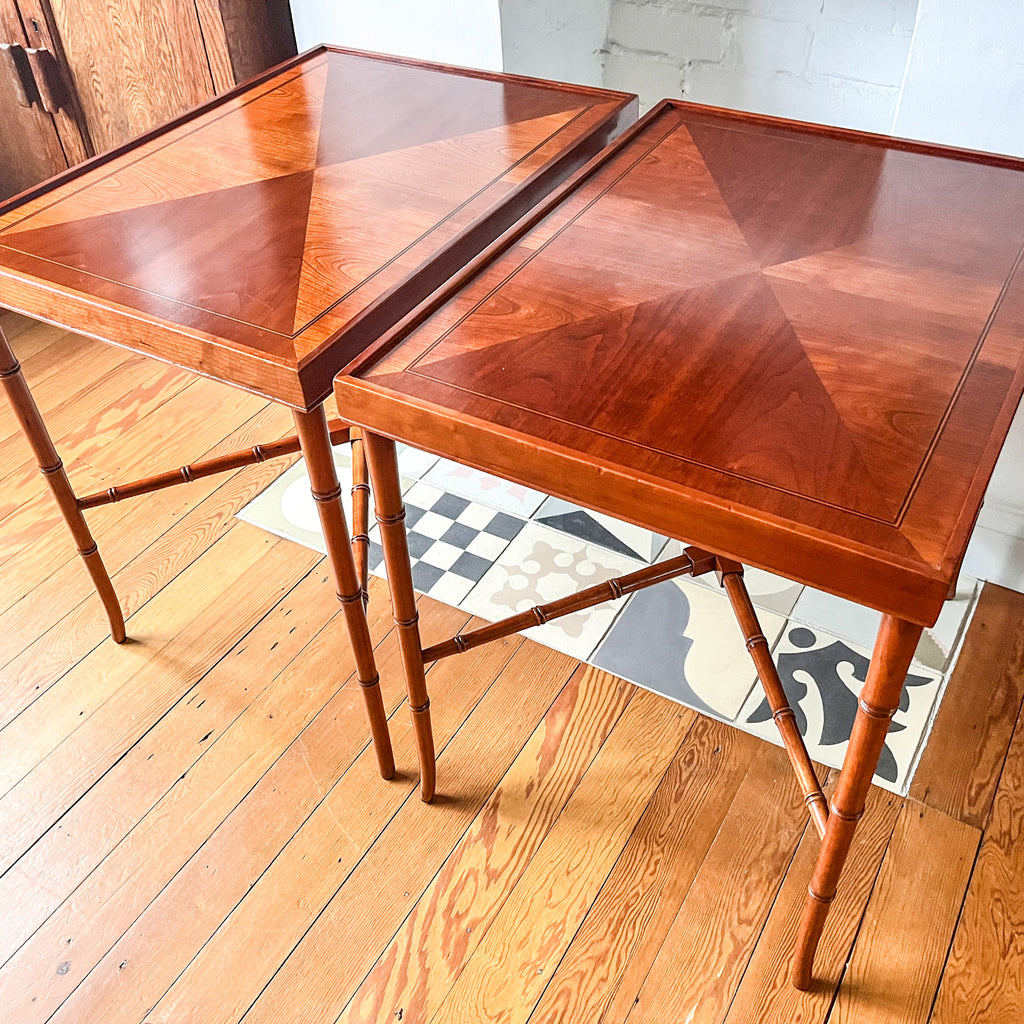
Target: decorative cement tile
[
  {"x": 484, "y": 488},
  {"x": 822, "y": 676},
  {"x": 597, "y": 528},
  {"x": 859, "y": 625},
  {"x": 768, "y": 591},
  {"x": 542, "y": 565},
  {"x": 414, "y": 464},
  {"x": 452, "y": 541},
  {"x": 286, "y": 508},
  {"x": 683, "y": 641}
]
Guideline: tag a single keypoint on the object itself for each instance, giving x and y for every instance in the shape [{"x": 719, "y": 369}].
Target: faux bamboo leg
[
  {"x": 387, "y": 496},
  {"x": 50, "y": 465},
  {"x": 782, "y": 713},
  {"x": 316, "y": 449},
  {"x": 360, "y": 512},
  {"x": 880, "y": 696}
]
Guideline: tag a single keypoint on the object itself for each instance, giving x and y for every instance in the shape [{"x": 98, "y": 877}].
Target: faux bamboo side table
[
  {"x": 791, "y": 346},
  {"x": 265, "y": 238}
]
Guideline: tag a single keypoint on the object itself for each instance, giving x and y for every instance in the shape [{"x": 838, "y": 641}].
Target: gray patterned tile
[
  {"x": 597, "y": 528},
  {"x": 542, "y": 565},
  {"x": 682, "y": 641},
  {"x": 822, "y": 675}
]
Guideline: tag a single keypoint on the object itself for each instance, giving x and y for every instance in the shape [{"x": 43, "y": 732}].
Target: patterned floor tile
[
  {"x": 597, "y": 528},
  {"x": 286, "y": 508},
  {"x": 484, "y": 488},
  {"x": 452, "y": 541},
  {"x": 542, "y": 565},
  {"x": 859, "y": 625},
  {"x": 474, "y": 544},
  {"x": 768, "y": 591},
  {"x": 683, "y": 641},
  {"x": 414, "y": 464},
  {"x": 822, "y": 675}
]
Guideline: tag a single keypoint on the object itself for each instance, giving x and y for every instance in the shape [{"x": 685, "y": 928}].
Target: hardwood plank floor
[{"x": 192, "y": 827}]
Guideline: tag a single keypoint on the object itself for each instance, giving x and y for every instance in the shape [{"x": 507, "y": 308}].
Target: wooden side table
[
  {"x": 794, "y": 347},
  {"x": 269, "y": 236}
]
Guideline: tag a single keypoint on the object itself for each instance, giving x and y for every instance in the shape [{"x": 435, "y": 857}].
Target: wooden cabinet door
[
  {"x": 30, "y": 147},
  {"x": 135, "y": 63}
]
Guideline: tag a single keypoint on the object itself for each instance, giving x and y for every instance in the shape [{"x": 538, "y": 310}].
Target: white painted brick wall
[{"x": 838, "y": 61}]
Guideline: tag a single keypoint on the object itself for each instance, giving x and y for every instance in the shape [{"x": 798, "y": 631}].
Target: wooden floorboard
[
  {"x": 961, "y": 765},
  {"x": 193, "y": 827}
]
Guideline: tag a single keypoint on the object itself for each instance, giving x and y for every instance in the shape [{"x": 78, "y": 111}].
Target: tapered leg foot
[
  {"x": 879, "y": 699},
  {"x": 387, "y": 492},
  {"x": 315, "y": 442},
  {"x": 50, "y": 465}
]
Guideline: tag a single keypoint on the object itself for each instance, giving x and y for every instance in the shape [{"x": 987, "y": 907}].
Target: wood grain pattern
[
  {"x": 55, "y": 748},
  {"x": 548, "y": 766},
  {"x": 201, "y": 418},
  {"x": 514, "y": 965},
  {"x": 901, "y": 945},
  {"x": 982, "y": 701},
  {"x": 31, "y": 148},
  {"x": 210, "y": 736},
  {"x": 443, "y": 931},
  {"x": 723, "y": 913},
  {"x": 137, "y": 63},
  {"x": 339, "y": 215},
  {"x": 610, "y": 956},
  {"x": 984, "y": 977},
  {"x": 106, "y": 909},
  {"x": 328, "y": 855},
  {"x": 659, "y": 343},
  {"x": 37, "y": 651},
  {"x": 765, "y": 992}
]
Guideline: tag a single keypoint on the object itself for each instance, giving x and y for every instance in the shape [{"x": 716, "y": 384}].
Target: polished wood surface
[
  {"x": 800, "y": 348},
  {"x": 265, "y": 239}
]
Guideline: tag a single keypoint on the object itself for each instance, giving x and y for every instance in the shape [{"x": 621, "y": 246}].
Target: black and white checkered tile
[{"x": 452, "y": 541}]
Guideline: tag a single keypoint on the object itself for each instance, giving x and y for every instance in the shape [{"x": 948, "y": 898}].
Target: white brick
[
  {"x": 847, "y": 104},
  {"x": 842, "y": 51},
  {"x": 896, "y": 16},
  {"x": 676, "y": 33},
  {"x": 762, "y": 44},
  {"x": 651, "y": 79},
  {"x": 781, "y": 10}
]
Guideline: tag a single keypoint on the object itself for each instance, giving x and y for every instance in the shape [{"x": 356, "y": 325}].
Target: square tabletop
[
  {"x": 794, "y": 346},
  {"x": 264, "y": 238}
]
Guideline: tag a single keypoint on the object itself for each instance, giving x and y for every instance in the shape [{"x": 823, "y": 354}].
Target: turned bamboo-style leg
[
  {"x": 387, "y": 495},
  {"x": 731, "y": 575},
  {"x": 50, "y": 465},
  {"x": 360, "y": 512},
  {"x": 323, "y": 477},
  {"x": 879, "y": 699}
]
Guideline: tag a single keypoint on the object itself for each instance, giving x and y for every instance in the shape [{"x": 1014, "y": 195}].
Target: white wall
[
  {"x": 964, "y": 86},
  {"x": 563, "y": 40},
  {"x": 839, "y": 61},
  {"x": 466, "y": 32},
  {"x": 964, "y": 83}
]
